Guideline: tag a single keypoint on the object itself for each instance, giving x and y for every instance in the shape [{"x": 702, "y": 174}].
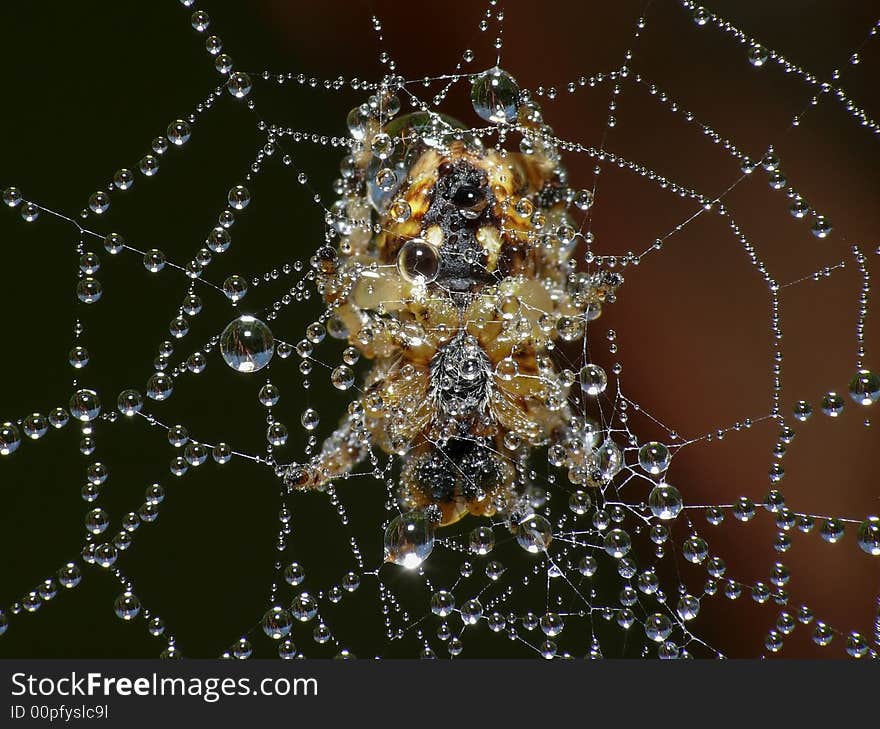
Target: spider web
[{"x": 732, "y": 187}]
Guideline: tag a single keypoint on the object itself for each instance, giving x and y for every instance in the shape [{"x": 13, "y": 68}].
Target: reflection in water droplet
[{"x": 247, "y": 344}]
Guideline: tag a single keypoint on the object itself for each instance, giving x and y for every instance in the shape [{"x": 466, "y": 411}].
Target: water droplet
[
  {"x": 239, "y": 84},
  {"x": 357, "y": 121},
  {"x": 757, "y": 55},
  {"x": 85, "y": 405},
  {"x": 617, "y": 543},
  {"x": 821, "y": 227},
  {"x": 35, "y": 426},
  {"x": 658, "y": 627},
  {"x": 114, "y": 243},
  {"x": 864, "y": 388},
  {"x": 97, "y": 521},
  {"x": 777, "y": 180},
  {"x": 123, "y": 179},
  {"x": 869, "y": 536},
  {"x": 200, "y": 21},
  {"x": 342, "y": 377},
  {"x": 235, "y": 287},
  {"x": 799, "y": 208},
  {"x": 533, "y": 533},
  {"x": 89, "y": 290},
  {"x": 99, "y": 202},
  {"x": 154, "y": 260},
  {"x": 665, "y": 501},
  {"x": 832, "y": 404},
  {"x": 277, "y": 623},
  {"x": 129, "y": 402},
  {"x": 583, "y": 199},
  {"x": 495, "y": 96},
  {"x": 471, "y": 612},
  {"x": 409, "y": 539},
  {"x": 579, "y": 502},
  {"x": 127, "y": 606},
  {"x": 802, "y": 410},
  {"x": 239, "y": 197},
  {"x": 277, "y": 434},
  {"x": 386, "y": 179},
  {"x": 178, "y": 132},
  {"x": 304, "y": 607},
  {"x": 608, "y": 459},
  {"x": 593, "y": 379},
  {"x": 160, "y": 386},
  {"x": 442, "y": 603},
  {"x": 382, "y": 145},
  {"x": 247, "y": 344},
  {"x": 654, "y": 458},
  {"x": 400, "y": 211},
  {"x": 148, "y": 165},
  {"x": 688, "y": 607},
  {"x": 701, "y": 16},
  {"x": 482, "y": 540},
  {"x": 69, "y": 576},
  {"x": 12, "y": 196},
  {"x": 29, "y": 212},
  {"x": 695, "y": 549},
  {"x": 10, "y": 438},
  {"x": 310, "y": 419},
  {"x": 418, "y": 261},
  {"x": 832, "y": 530}
]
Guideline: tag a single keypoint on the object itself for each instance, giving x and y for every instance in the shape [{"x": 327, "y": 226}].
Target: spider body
[{"x": 455, "y": 279}]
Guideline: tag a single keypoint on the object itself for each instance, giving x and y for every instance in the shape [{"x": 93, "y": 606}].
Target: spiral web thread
[{"x": 435, "y": 612}]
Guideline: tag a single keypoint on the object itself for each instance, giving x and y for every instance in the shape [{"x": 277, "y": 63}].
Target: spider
[{"x": 452, "y": 271}]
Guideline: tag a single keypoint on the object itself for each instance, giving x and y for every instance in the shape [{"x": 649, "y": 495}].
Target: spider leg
[{"x": 340, "y": 453}]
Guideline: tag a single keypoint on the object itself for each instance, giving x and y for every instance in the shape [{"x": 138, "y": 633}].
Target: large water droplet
[
  {"x": 127, "y": 606},
  {"x": 178, "y": 132},
  {"x": 89, "y": 290},
  {"x": 304, "y": 607},
  {"x": 495, "y": 96},
  {"x": 658, "y": 627},
  {"x": 533, "y": 533},
  {"x": 235, "y": 287},
  {"x": 757, "y": 55},
  {"x": 832, "y": 404},
  {"x": 654, "y": 458},
  {"x": 593, "y": 379},
  {"x": 99, "y": 202},
  {"x": 864, "y": 387},
  {"x": 239, "y": 84},
  {"x": 342, "y": 377},
  {"x": 247, "y": 344},
  {"x": 617, "y": 543},
  {"x": 442, "y": 603},
  {"x": 482, "y": 540},
  {"x": 869, "y": 536},
  {"x": 821, "y": 227},
  {"x": 85, "y": 405},
  {"x": 12, "y": 196},
  {"x": 665, "y": 501},
  {"x": 10, "y": 438},
  {"x": 418, "y": 261},
  {"x": 409, "y": 539},
  {"x": 277, "y": 623},
  {"x": 239, "y": 197}
]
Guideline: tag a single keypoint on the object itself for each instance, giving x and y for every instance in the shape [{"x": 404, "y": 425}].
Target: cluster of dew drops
[{"x": 248, "y": 345}]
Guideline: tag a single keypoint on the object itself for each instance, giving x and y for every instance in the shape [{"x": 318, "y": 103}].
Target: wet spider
[{"x": 452, "y": 271}]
